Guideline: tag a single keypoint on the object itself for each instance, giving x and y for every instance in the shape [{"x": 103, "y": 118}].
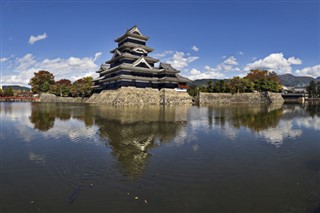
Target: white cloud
[
  {"x": 25, "y": 62},
  {"x": 195, "y": 48},
  {"x": 34, "y": 39},
  {"x": 180, "y": 60},
  {"x": 97, "y": 56},
  {"x": 310, "y": 71},
  {"x": 275, "y": 62},
  {"x": 163, "y": 54},
  {"x": 241, "y": 53},
  {"x": 227, "y": 65},
  {"x": 216, "y": 72},
  {"x": 3, "y": 59},
  {"x": 231, "y": 61},
  {"x": 71, "y": 68},
  {"x": 197, "y": 74}
]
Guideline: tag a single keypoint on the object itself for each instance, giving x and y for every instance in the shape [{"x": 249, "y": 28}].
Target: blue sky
[{"x": 203, "y": 39}]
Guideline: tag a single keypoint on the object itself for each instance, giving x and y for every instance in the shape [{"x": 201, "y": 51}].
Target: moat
[{"x": 94, "y": 158}]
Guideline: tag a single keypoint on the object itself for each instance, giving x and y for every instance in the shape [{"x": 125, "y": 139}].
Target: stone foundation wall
[
  {"x": 172, "y": 97},
  {"x": 46, "y": 97},
  {"x": 141, "y": 96},
  {"x": 148, "y": 96},
  {"x": 127, "y": 96},
  {"x": 238, "y": 98}
]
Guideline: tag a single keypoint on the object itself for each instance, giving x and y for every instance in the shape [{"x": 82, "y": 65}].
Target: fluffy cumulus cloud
[
  {"x": 231, "y": 61},
  {"x": 71, "y": 68},
  {"x": 163, "y": 54},
  {"x": 195, "y": 48},
  {"x": 180, "y": 60},
  {"x": 229, "y": 64},
  {"x": 275, "y": 62},
  {"x": 310, "y": 71},
  {"x": 3, "y": 59},
  {"x": 197, "y": 74},
  {"x": 34, "y": 39}
]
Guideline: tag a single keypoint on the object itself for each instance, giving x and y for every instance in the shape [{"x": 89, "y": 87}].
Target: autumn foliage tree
[
  {"x": 41, "y": 81},
  {"x": 240, "y": 85},
  {"x": 256, "y": 80},
  {"x": 264, "y": 80},
  {"x": 61, "y": 88},
  {"x": 82, "y": 87}
]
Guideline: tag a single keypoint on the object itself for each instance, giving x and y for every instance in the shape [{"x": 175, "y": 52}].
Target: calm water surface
[{"x": 83, "y": 158}]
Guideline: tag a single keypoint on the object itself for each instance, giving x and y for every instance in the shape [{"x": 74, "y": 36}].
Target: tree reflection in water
[
  {"x": 256, "y": 118},
  {"x": 313, "y": 108},
  {"x": 42, "y": 116}
]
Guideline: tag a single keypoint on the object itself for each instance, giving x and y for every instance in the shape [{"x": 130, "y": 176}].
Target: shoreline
[{"x": 129, "y": 96}]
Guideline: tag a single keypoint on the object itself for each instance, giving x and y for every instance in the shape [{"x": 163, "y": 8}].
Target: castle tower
[{"x": 130, "y": 65}]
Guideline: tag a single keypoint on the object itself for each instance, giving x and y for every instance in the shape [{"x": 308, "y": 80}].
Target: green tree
[
  {"x": 240, "y": 85},
  {"x": 203, "y": 88},
  {"x": 264, "y": 80},
  {"x": 61, "y": 88},
  {"x": 8, "y": 92},
  {"x": 313, "y": 89},
  {"x": 210, "y": 86},
  {"x": 41, "y": 81},
  {"x": 193, "y": 90},
  {"x": 220, "y": 86},
  {"x": 82, "y": 87}
]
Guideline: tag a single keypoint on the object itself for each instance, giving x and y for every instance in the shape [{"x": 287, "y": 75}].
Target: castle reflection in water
[{"x": 131, "y": 132}]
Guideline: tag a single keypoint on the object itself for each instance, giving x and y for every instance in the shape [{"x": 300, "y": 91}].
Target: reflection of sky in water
[
  {"x": 276, "y": 135},
  {"x": 309, "y": 123},
  {"x": 201, "y": 152},
  {"x": 198, "y": 123},
  {"x": 19, "y": 116},
  {"x": 72, "y": 128},
  {"x": 37, "y": 158}
]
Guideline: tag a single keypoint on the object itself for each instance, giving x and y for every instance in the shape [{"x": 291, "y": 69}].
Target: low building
[
  {"x": 131, "y": 66},
  {"x": 296, "y": 90}
]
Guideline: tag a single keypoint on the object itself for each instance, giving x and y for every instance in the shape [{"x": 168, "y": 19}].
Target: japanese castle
[{"x": 130, "y": 66}]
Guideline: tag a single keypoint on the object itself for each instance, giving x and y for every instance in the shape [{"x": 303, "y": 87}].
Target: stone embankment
[
  {"x": 148, "y": 96},
  {"x": 46, "y": 97},
  {"x": 239, "y": 98},
  {"x": 141, "y": 96},
  {"x": 128, "y": 96}
]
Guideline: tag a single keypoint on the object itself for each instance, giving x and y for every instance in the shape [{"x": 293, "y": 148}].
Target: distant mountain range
[
  {"x": 291, "y": 80},
  {"x": 16, "y": 87},
  {"x": 286, "y": 80}
]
